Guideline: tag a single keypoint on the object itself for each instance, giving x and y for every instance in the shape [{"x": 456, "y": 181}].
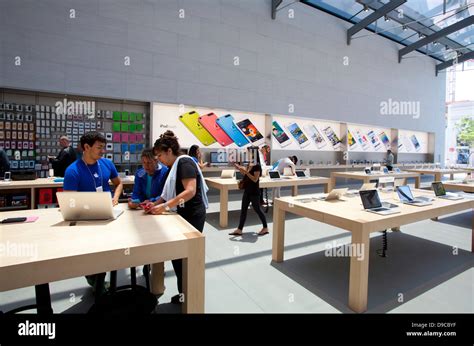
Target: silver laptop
[
  {"x": 77, "y": 206},
  {"x": 227, "y": 173},
  {"x": 371, "y": 202},
  {"x": 274, "y": 175},
  {"x": 440, "y": 192},
  {"x": 406, "y": 197},
  {"x": 301, "y": 174}
]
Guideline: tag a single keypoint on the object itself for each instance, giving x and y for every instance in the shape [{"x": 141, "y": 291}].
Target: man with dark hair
[
  {"x": 389, "y": 160},
  {"x": 92, "y": 173},
  {"x": 66, "y": 156},
  {"x": 289, "y": 161},
  {"x": 149, "y": 180}
]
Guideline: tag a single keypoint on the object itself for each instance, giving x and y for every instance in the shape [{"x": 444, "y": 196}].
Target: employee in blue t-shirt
[
  {"x": 149, "y": 180},
  {"x": 92, "y": 173}
]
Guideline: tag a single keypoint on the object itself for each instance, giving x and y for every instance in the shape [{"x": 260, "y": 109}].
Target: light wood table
[
  {"x": 453, "y": 185},
  {"x": 350, "y": 216},
  {"x": 59, "y": 251},
  {"x": 226, "y": 185},
  {"x": 367, "y": 178},
  {"x": 438, "y": 173},
  {"x": 40, "y": 183}
]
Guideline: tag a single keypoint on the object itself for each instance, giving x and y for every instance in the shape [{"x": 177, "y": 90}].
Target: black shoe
[{"x": 176, "y": 299}]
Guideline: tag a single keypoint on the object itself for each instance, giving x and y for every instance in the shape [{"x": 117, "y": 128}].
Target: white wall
[{"x": 287, "y": 61}]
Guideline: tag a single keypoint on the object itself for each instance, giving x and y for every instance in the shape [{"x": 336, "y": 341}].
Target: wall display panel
[
  {"x": 292, "y": 133},
  {"x": 361, "y": 138},
  {"x": 33, "y": 131},
  {"x": 209, "y": 127},
  {"x": 413, "y": 142}
]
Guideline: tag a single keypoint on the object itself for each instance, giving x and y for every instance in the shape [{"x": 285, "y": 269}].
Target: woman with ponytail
[{"x": 185, "y": 191}]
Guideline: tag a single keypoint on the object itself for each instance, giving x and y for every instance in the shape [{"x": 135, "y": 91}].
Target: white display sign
[
  {"x": 412, "y": 142},
  {"x": 208, "y": 127},
  {"x": 367, "y": 138},
  {"x": 291, "y": 133}
]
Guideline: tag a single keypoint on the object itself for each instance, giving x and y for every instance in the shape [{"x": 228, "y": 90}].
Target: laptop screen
[
  {"x": 438, "y": 188},
  {"x": 404, "y": 193},
  {"x": 239, "y": 176},
  {"x": 300, "y": 174},
  {"x": 367, "y": 171},
  {"x": 274, "y": 174},
  {"x": 370, "y": 199}
]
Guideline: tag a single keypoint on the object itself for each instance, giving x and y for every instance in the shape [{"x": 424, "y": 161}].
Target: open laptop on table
[
  {"x": 227, "y": 173},
  {"x": 301, "y": 174},
  {"x": 440, "y": 192},
  {"x": 238, "y": 175},
  {"x": 371, "y": 202},
  {"x": 86, "y": 206},
  {"x": 406, "y": 197},
  {"x": 274, "y": 175}
]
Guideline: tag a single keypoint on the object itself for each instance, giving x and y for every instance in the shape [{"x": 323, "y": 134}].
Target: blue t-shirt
[
  {"x": 82, "y": 177},
  {"x": 156, "y": 187},
  {"x": 195, "y": 159}
]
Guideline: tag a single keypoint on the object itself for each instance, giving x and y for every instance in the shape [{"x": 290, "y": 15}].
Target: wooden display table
[
  {"x": 350, "y": 216},
  {"x": 33, "y": 185},
  {"x": 366, "y": 178},
  {"x": 438, "y": 172},
  {"x": 454, "y": 185},
  {"x": 59, "y": 251},
  {"x": 226, "y": 185}
]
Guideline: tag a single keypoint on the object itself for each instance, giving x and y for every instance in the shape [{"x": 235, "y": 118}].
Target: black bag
[{"x": 242, "y": 184}]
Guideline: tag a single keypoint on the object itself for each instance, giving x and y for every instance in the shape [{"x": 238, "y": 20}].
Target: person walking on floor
[{"x": 251, "y": 193}]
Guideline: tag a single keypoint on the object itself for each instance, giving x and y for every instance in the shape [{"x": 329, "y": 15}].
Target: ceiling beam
[
  {"x": 382, "y": 11},
  {"x": 436, "y": 36},
  {"x": 275, "y": 4},
  {"x": 449, "y": 63}
]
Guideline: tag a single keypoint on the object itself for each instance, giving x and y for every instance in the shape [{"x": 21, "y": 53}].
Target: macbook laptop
[
  {"x": 333, "y": 195},
  {"x": 368, "y": 186},
  {"x": 238, "y": 175},
  {"x": 406, "y": 197},
  {"x": 274, "y": 175},
  {"x": 77, "y": 206},
  {"x": 371, "y": 202},
  {"x": 227, "y": 173},
  {"x": 440, "y": 192},
  {"x": 301, "y": 174}
]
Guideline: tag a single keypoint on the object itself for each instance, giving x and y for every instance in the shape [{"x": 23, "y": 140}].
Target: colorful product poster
[
  {"x": 296, "y": 133},
  {"x": 412, "y": 142},
  {"x": 363, "y": 138},
  {"x": 208, "y": 127}
]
